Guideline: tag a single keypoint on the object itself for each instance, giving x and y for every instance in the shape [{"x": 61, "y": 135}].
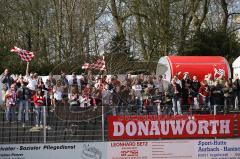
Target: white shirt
[
  {"x": 57, "y": 93},
  {"x": 137, "y": 90},
  {"x": 32, "y": 84}
]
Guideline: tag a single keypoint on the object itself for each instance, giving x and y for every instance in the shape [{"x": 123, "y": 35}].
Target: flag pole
[{"x": 27, "y": 69}]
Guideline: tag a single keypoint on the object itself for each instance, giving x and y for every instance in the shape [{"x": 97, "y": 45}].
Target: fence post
[
  {"x": 44, "y": 119},
  {"x": 44, "y": 124},
  {"x": 236, "y": 102},
  {"x": 215, "y": 110},
  {"x": 102, "y": 123}
]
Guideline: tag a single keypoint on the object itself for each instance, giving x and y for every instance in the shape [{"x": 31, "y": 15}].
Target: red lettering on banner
[{"x": 140, "y": 127}]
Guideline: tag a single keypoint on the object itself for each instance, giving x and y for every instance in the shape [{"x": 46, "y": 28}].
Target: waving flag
[
  {"x": 218, "y": 72},
  {"x": 85, "y": 66},
  {"x": 98, "y": 65},
  {"x": 25, "y": 55}
]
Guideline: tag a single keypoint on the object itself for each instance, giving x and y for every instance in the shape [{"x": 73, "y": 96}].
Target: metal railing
[{"x": 64, "y": 125}]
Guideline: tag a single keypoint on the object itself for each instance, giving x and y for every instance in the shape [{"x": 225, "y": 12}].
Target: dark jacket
[
  {"x": 7, "y": 80},
  {"x": 175, "y": 92},
  {"x": 23, "y": 93}
]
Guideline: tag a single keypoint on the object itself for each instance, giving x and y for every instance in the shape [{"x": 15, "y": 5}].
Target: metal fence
[{"x": 63, "y": 125}]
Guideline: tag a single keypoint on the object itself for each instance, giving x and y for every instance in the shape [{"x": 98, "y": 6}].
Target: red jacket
[
  {"x": 204, "y": 90},
  {"x": 38, "y": 100}
]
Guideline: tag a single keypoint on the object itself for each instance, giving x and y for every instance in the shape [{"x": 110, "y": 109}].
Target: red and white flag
[
  {"x": 25, "y": 55},
  {"x": 99, "y": 65},
  {"x": 85, "y": 66}
]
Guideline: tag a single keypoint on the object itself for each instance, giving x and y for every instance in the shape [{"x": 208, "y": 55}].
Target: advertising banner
[
  {"x": 180, "y": 149},
  {"x": 165, "y": 149},
  {"x": 155, "y": 127},
  {"x": 83, "y": 150},
  {"x": 151, "y": 149},
  {"x": 217, "y": 149}
]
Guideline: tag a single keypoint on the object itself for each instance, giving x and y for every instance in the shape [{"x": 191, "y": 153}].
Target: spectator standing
[
  {"x": 24, "y": 97},
  {"x": 6, "y": 79},
  {"x": 75, "y": 82},
  {"x": 50, "y": 83},
  {"x": 204, "y": 92},
  {"x": 217, "y": 96},
  {"x": 175, "y": 92},
  {"x": 186, "y": 86},
  {"x": 209, "y": 80},
  {"x": 124, "y": 98},
  {"x": 228, "y": 97},
  {"x": 129, "y": 80},
  {"x": 167, "y": 103},
  {"x": 65, "y": 85},
  {"x": 236, "y": 89},
  {"x": 106, "y": 95},
  {"x": 57, "y": 94},
  {"x": 137, "y": 92},
  {"x": 195, "y": 86},
  {"x": 159, "y": 83},
  {"x": 51, "y": 80},
  {"x": 11, "y": 99},
  {"x": 74, "y": 100},
  {"x": 40, "y": 84},
  {"x": 32, "y": 83},
  {"x": 178, "y": 81},
  {"x": 146, "y": 97},
  {"x": 38, "y": 100},
  {"x": 116, "y": 82},
  {"x": 157, "y": 102}
]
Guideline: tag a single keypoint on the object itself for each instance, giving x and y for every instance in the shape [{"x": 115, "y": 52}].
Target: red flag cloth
[
  {"x": 99, "y": 65},
  {"x": 25, "y": 55},
  {"x": 85, "y": 66}
]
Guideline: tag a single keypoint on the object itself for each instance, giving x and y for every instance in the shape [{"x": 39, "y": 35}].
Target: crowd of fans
[{"x": 141, "y": 94}]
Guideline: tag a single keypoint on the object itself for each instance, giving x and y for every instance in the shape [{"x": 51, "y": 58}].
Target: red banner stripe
[{"x": 154, "y": 127}]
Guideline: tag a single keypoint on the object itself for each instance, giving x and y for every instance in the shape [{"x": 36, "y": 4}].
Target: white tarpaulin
[{"x": 236, "y": 66}]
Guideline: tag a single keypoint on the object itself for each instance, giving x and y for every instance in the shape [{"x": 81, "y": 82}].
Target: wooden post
[{"x": 27, "y": 69}]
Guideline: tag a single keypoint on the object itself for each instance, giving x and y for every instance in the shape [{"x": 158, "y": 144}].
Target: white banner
[
  {"x": 169, "y": 149},
  {"x": 175, "y": 149},
  {"x": 151, "y": 149},
  {"x": 217, "y": 149},
  {"x": 82, "y": 150}
]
